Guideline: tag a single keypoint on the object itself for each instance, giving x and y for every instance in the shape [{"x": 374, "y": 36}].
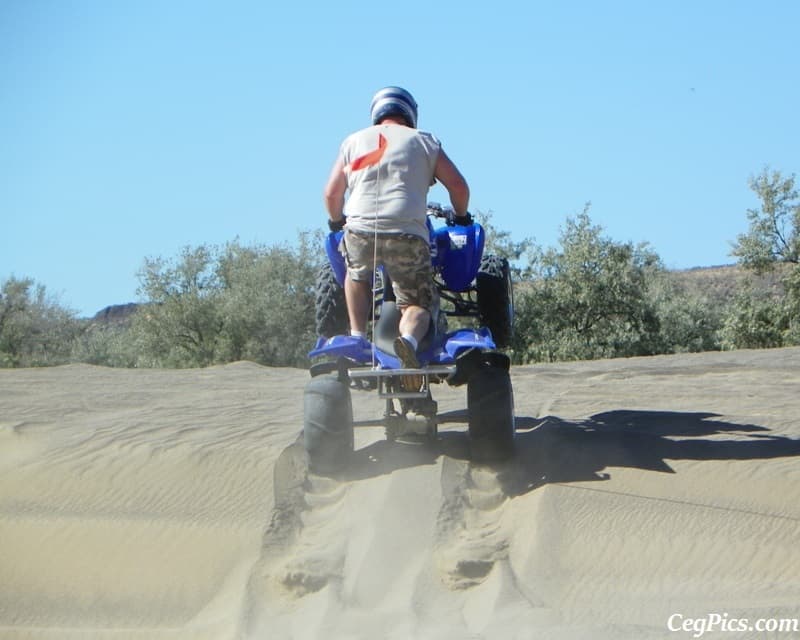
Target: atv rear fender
[{"x": 335, "y": 257}]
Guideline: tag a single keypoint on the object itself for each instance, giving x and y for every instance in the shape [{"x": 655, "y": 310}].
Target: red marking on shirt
[{"x": 371, "y": 158}]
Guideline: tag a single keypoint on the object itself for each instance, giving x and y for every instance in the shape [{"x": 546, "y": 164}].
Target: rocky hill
[
  {"x": 116, "y": 314},
  {"x": 720, "y": 283}
]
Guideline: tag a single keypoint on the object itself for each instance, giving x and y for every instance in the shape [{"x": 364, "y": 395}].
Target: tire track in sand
[
  {"x": 471, "y": 530},
  {"x": 307, "y": 509},
  {"x": 291, "y": 563}
]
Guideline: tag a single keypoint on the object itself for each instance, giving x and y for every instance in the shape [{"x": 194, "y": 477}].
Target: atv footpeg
[{"x": 387, "y": 380}]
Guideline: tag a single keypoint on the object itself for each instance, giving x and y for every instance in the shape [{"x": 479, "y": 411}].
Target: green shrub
[
  {"x": 221, "y": 304},
  {"x": 35, "y": 330}
]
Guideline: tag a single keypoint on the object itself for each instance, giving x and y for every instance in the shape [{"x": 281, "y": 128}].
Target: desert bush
[
  {"x": 220, "y": 304},
  {"x": 35, "y": 329},
  {"x": 772, "y": 243},
  {"x": 754, "y": 321},
  {"x": 182, "y": 323},
  {"x": 774, "y": 233},
  {"x": 111, "y": 345},
  {"x": 688, "y": 320},
  {"x": 588, "y": 299},
  {"x": 269, "y": 307}
]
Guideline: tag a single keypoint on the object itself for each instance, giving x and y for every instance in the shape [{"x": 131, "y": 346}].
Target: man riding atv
[
  {"x": 388, "y": 237},
  {"x": 388, "y": 169}
]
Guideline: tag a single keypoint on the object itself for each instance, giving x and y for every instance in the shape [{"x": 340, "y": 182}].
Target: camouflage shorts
[{"x": 406, "y": 258}]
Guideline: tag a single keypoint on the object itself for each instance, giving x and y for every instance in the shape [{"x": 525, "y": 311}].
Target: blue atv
[{"x": 470, "y": 285}]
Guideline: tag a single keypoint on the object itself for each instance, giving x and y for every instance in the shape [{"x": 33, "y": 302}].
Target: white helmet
[{"x": 394, "y": 101}]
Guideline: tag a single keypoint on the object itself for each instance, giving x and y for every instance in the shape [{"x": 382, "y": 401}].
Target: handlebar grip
[
  {"x": 449, "y": 214},
  {"x": 464, "y": 221}
]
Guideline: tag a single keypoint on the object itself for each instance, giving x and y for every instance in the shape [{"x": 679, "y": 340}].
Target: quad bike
[{"x": 469, "y": 284}]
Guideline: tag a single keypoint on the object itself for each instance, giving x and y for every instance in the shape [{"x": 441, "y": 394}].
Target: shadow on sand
[{"x": 551, "y": 450}]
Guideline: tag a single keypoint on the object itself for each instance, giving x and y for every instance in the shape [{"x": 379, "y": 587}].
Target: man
[{"x": 388, "y": 169}]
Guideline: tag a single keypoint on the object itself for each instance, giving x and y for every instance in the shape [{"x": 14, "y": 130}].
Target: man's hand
[
  {"x": 464, "y": 221},
  {"x": 337, "y": 225}
]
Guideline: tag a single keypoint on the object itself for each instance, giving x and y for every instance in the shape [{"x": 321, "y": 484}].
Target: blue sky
[{"x": 130, "y": 129}]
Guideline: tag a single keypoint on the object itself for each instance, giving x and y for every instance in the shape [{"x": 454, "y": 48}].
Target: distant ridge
[
  {"x": 721, "y": 283},
  {"x": 731, "y": 266},
  {"x": 116, "y": 313}
]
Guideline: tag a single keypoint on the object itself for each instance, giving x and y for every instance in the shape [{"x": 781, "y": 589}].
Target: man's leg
[
  {"x": 358, "y": 251},
  {"x": 357, "y": 294},
  {"x": 410, "y": 270},
  {"x": 415, "y": 321}
]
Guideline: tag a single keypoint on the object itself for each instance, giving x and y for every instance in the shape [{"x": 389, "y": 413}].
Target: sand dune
[{"x": 646, "y": 493}]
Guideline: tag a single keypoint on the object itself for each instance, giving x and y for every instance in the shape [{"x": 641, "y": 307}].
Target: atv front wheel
[
  {"x": 490, "y": 407},
  {"x": 327, "y": 423},
  {"x": 330, "y": 308},
  {"x": 496, "y": 299}
]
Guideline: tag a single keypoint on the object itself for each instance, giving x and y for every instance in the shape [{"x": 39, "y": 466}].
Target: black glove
[
  {"x": 464, "y": 221},
  {"x": 336, "y": 225}
]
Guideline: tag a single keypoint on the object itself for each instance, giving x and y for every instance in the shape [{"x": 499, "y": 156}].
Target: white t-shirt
[{"x": 389, "y": 170}]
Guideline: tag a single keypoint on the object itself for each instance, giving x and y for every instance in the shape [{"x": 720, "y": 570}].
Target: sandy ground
[{"x": 646, "y": 493}]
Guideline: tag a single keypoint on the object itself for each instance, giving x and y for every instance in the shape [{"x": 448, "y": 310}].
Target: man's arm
[
  {"x": 335, "y": 190},
  {"x": 448, "y": 174}
]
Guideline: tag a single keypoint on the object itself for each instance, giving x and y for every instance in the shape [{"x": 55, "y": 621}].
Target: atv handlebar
[{"x": 448, "y": 213}]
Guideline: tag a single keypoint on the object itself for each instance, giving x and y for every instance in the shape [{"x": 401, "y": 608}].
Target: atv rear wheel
[
  {"x": 490, "y": 407},
  {"x": 330, "y": 308},
  {"x": 496, "y": 299},
  {"x": 327, "y": 423}
]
